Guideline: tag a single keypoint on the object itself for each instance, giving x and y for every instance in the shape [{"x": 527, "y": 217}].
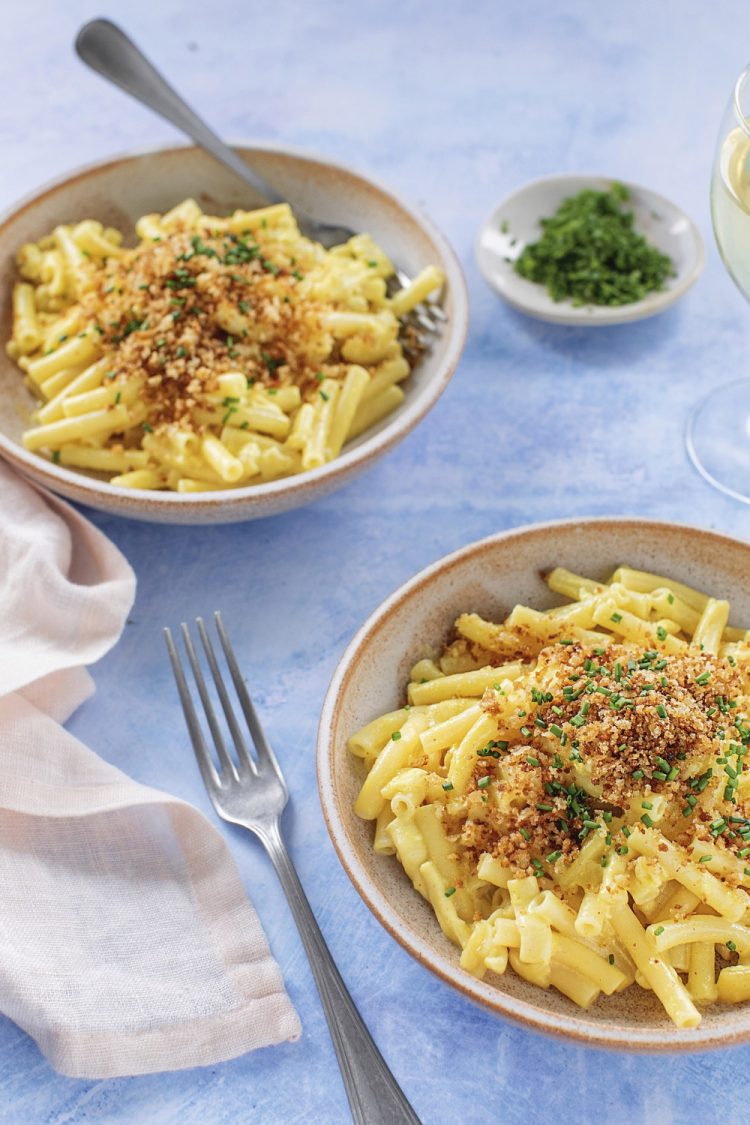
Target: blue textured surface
[{"x": 454, "y": 106}]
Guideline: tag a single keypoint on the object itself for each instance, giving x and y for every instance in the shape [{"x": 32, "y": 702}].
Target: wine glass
[{"x": 718, "y": 430}]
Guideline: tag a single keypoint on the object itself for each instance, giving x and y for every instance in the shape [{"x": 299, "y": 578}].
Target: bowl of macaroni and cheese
[
  {"x": 177, "y": 351},
  {"x": 533, "y": 764}
]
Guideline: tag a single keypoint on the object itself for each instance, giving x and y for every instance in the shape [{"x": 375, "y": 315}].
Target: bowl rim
[
  {"x": 264, "y": 494},
  {"x": 578, "y": 1027},
  {"x": 571, "y": 316}
]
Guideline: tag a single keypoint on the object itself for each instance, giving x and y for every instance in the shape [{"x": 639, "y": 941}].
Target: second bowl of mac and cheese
[
  {"x": 532, "y": 762},
  {"x": 183, "y": 353}
]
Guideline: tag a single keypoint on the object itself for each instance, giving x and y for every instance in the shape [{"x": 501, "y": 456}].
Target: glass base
[{"x": 718, "y": 439}]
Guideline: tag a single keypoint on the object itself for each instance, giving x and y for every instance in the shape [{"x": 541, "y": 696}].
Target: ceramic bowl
[
  {"x": 490, "y": 577},
  {"x": 515, "y": 222},
  {"x": 117, "y": 192}
]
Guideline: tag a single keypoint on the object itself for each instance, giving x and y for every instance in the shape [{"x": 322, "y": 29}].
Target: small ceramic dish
[
  {"x": 515, "y": 222},
  {"x": 117, "y": 192},
  {"x": 490, "y": 577}
]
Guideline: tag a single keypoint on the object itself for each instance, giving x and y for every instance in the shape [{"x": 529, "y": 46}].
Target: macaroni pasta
[
  {"x": 568, "y": 790},
  {"x": 216, "y": 353}
]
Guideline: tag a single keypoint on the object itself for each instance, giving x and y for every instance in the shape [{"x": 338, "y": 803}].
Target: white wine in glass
[{"x": 718, "y": 432}]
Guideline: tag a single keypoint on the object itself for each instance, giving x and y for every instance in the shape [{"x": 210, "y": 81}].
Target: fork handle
[
  {"x": 375, "y": 1097},
  {"x": 104, "y": 47}
]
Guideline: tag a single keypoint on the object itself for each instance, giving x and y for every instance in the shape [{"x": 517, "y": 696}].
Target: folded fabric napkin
[{"x": 127, "y": 943}]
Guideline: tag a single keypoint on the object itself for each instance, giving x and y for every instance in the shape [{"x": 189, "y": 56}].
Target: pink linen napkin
[{"x": 127, "y": 943}]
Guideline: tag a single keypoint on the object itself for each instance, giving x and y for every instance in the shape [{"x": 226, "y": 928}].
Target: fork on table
[{"x": 246, "y": 787}]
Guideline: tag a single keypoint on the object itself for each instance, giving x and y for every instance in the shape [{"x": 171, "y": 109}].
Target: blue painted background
[{"x": 454, "y": 105}]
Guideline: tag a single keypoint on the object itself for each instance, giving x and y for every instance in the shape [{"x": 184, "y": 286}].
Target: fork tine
[
  {"x": 424, "y": 320},
  {"x": 428, "y": 313},
  {"x": 202, "y": 754},
  {"x": 239, "y": 741},
  {"x": 208, "y": 707},
  {"x": 262, "y": 747}
]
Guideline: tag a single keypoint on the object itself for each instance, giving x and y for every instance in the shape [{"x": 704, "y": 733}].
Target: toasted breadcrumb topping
[
  {"x": 187, "y": 308},
  {"x": 597, "y": 730}
]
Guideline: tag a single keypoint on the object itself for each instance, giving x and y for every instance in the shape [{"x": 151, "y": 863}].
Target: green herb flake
[{"x": 590, "y": 253}]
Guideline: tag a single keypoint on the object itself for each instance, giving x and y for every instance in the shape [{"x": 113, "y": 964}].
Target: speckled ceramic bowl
[
  {"x": 489, "y": 577},
  {"x": 117, "y": 192}
]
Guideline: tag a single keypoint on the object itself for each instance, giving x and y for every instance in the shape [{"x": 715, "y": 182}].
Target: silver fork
[
  {"x": 249, "y": 789},
  {"x": 106, "y": 48}
]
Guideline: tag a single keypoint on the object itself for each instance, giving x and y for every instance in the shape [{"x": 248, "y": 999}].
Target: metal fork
[
  {"x": 106, "y": 48},
  {"x": 249, "y": 789}
]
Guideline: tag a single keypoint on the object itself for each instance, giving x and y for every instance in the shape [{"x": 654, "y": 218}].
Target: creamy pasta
[
  {"x": 568, "y": 789},
  {"x": 217, "y": 352}
]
